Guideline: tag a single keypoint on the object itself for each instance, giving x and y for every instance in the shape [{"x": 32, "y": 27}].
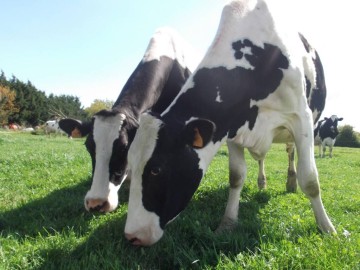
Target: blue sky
[{"x": 88, "y": 48}]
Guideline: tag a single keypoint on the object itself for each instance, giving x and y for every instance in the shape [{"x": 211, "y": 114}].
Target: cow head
[
  {"x": 107, "y": 144},
  {"x": 166, "y": 170},
  {"x": 329, "y": 127}
]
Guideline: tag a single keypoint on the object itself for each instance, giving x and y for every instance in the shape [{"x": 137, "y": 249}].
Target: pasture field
[{"x": 43, "y": 223}]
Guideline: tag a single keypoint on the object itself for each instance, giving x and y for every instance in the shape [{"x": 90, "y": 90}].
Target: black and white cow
[
  {"x": 248, "y": 91},
  {"x": 325, "y": 134},
  {"x": 153, "y": 85},
  {"x": 52, "y": 126}
]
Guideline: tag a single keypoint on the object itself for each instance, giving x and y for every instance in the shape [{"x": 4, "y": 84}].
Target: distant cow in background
[
  {"x": 325, "y": 134},
  {"x": 52, "y": 126}
]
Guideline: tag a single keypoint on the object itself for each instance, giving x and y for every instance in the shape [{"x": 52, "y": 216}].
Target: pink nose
[
  {"x": 133, "y": 239},
  {"x": 97, "y": 205}
]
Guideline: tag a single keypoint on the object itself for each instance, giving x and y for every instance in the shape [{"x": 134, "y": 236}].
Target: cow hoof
[
  {"x": 291, "y": 188},
  {"x": 226, "y": 225},
  {"x": 262, "y": 183}
]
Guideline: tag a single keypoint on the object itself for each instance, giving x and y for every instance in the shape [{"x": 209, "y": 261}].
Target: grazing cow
[
  {"x": 325, "y": 134},
  {"x": 52, "y": 126},
  {"x": 248, "y": 91},
  {"x": 153, "y": 85}
]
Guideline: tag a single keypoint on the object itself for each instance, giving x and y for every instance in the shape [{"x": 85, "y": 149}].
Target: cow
[
  {"x": 248, "y": 91},
  {"x": 156, "y": 81},
  {"x": 14, "y": 126},
  {"x": 325, "y": 134},
  {"x": 52, "y": 126}
]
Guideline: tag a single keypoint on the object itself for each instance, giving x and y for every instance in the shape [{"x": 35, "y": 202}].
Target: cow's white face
[
  {"x": 107, "y": 145},
  {"x": 165, "y": 173},
  {"x": 141, "y": 223}
]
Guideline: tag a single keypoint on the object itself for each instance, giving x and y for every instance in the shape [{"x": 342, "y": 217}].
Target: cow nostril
[
  {"x": 133, "y": 240},
  {"x": 97, "y": 206}
]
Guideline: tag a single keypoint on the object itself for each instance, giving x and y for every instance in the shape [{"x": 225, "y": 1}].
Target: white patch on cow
[
  {"x": 207, "y": 153},
  {"x": 328, "y": 142},
  {"x": 218, "y": 97},
  {"x": 334, "y": 117},
  {"x": 146, "y": 224},
  {"x": 167, "y": 42},
  {"x": 52, "y": 126},
  {"x": 219, "y": 53},
  {"x": 106, "y": 131}
]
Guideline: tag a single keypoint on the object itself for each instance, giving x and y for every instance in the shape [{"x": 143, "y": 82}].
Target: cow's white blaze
[
  {"x": 140, "y": 223},
  {"x": 106, "y": 131}
]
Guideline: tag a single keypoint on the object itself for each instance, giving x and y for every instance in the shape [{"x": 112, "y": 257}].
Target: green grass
[{"x": 43, "y": 224}]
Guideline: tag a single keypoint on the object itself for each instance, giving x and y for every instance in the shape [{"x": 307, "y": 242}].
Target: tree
[
  {"x": 347, "y": 137},
  {"x": 98, "y": 105},
  {"x": 34, "y": 107},
  {"x": 7, "y": 104},
  {"x": 70, "y": 106},
  {"x": 31, "y": 102}
]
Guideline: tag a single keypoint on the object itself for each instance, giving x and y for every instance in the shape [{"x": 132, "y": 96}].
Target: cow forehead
[
  {"x": 334, "y": 117},
  {"x": 144, "y": 141},
  {"x": 106, "y": 130}
]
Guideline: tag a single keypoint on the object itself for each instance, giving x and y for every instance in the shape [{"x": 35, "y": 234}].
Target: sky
[{"x": 89, "y": 48}]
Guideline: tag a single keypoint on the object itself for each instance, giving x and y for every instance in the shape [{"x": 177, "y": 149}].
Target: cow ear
[
  {"x": 340, "y": 119},
  {"x": 75, "y": 128},
  {"x": 198, "y": 133}
]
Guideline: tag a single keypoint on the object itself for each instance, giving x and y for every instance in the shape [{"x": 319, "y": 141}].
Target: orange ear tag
[
  {"x": 76, "y": 133},
  {"x": 198, "y": 140}
]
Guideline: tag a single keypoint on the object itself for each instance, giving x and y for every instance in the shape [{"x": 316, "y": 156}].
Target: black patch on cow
[
  {"x": 107, "y": 113},
  {"x": 318, "y": 91},
  {"x": 308, "y": 87},
  {"x": 170, "y": 177},
  {"x": 223, "y": 96},
  {"x": 153, "y": 85},
  {"x": 118, "y": 161},
  {"x": 90, "y": 147}
]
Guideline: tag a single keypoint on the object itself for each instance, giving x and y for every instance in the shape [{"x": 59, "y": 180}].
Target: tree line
[{"x": 22, "y": 103}]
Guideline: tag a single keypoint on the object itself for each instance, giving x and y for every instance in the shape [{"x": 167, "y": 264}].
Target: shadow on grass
[
  {"x": 188, "y": 242},
  {"x": 57, "y": 211}
]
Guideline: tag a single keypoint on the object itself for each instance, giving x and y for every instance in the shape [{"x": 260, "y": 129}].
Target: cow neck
[{"x": 144, "y": 87}]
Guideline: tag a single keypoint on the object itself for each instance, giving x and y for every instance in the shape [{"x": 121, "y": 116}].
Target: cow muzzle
[
  {"x": 107, "y": 202},
  {"x": 144, "y": 238},
  {"x": 98, "y": 205}
]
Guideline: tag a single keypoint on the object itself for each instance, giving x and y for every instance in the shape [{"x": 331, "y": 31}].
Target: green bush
[{"x": 347, "y": 137}]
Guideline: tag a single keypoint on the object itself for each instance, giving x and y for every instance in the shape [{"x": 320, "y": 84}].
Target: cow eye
[{"x": 155, "y": 171}]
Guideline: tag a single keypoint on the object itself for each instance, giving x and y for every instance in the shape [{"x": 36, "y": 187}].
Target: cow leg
[
  {"x": 237, "y": 168},
  {"x": 291, "y": 183},
  {"x": 323, "y": 150},
  {"x": 261, "y": 175},
  {"x": 307, "y": 173},
  {"x": 330, "y": 150}
]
